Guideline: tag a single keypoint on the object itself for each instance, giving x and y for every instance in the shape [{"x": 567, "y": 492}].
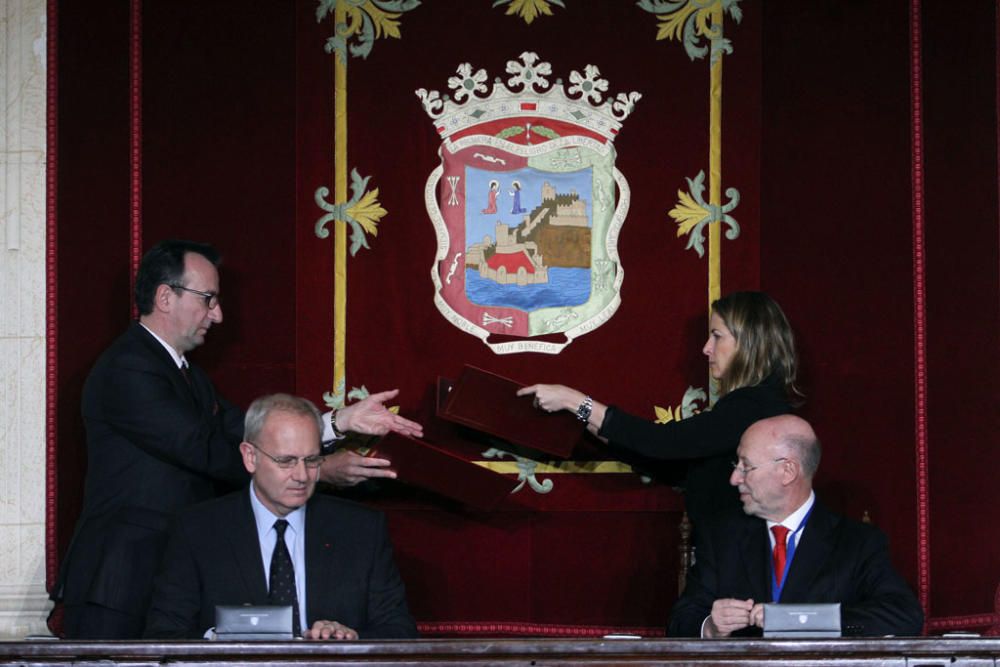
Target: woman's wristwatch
[{"x": 583, "y": 411}]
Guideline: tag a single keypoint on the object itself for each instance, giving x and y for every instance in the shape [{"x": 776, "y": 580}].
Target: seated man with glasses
[
  {"x": 787, "y": 547},
  {"x": 160, "y": 438},
  {"x": 275, "y": 543}
]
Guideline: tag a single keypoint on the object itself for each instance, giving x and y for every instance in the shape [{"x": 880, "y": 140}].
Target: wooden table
[{"x": 916, "y": 652}]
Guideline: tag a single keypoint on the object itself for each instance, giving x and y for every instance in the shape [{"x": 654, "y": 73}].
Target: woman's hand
[{"x": 553, "y": 397}]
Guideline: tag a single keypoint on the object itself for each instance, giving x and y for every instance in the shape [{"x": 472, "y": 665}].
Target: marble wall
[{"x": 23, "y": 601}]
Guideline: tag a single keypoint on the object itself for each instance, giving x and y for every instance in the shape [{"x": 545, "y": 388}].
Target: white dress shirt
[
  {"x": 793, "y": 522},
  {"x": 177, "y": 357}
]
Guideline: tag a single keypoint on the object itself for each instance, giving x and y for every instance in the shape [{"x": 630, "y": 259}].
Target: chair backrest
[
  {"x": 994, "y": 630},
  {"x": 685, "y": 552}
]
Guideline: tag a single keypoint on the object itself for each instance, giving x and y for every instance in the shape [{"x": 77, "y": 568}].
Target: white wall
[{"x": 23, "y": 602}]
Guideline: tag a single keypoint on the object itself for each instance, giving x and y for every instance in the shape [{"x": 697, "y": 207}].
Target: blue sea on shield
[{"x": 566, "y": 286}]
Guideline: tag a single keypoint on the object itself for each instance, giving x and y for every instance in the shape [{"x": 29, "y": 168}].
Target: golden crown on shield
[{"x": 528, "y": 92}]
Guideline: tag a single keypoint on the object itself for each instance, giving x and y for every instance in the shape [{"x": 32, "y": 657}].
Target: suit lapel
[
  {"x": 814, "y": 548},
  {"x": 202, "y": 391},
  {"x": 170, "y": 368},
  {"x": 242, "y": 531},
  {"x": 321, "y": 567},
  {"x": 755, "y": 550}
]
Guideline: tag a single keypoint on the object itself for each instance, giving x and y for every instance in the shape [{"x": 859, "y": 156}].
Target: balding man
[{"x": 788, "y": 547}]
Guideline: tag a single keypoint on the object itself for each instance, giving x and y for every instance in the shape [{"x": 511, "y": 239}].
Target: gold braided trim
[{"x": 556, "y": 467}]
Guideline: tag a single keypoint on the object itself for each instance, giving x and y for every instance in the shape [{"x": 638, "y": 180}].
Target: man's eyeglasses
[
  {"x": 743, "y": 470},
  {"x": 211, "y": 298},
  {"x": 288, "y": 462}
]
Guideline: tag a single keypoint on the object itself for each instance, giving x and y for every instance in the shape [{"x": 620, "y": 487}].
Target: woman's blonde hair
[{"x": 765, "y": 344}]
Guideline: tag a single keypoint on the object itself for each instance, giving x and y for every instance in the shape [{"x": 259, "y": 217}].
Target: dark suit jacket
[
  {"x": 213, "y": 558},
  {"x": 155, "y": 444},
  {"x": 707, "y": 441},
  {"x": 837, "y": 560}
]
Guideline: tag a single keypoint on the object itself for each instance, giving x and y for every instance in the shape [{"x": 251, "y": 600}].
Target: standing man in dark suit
[
  {"x": 273, "y": 543},
  {"x": 787, "y": 547},
  {"x": 159, "y": 439}
]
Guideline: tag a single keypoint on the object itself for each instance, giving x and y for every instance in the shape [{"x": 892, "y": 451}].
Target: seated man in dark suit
[
  {"x": 787, "y": 547},
  {"x": 274, "y": 543}
]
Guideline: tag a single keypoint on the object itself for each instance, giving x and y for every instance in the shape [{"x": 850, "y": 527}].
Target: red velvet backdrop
[
  {"x": 837, "y": 244},
  {"x": 237, "y": 127},
  {"x": 963, "y": 311},
  {"x": 837, "y": 250},
  {"x": 598, "y": 549}
]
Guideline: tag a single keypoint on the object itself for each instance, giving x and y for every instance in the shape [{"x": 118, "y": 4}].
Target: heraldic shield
[{"x": 527, "y": 205}]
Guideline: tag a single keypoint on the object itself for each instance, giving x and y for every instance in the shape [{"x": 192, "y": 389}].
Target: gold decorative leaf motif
[
  {"x": 687, "y": 213},
  {"x": 368, "y": 211},
  {"x": 673, "y": 27},
  {"x": 384, "y": 21},
  {"x": 529, "y": 10},
  {"x": 663, "y": 415}
]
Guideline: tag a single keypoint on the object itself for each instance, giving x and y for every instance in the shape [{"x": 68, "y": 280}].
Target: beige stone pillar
[{"x": 23, "y": 601}]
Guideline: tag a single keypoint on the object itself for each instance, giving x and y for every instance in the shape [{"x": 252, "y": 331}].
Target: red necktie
[{"x": 780, "y": 552}]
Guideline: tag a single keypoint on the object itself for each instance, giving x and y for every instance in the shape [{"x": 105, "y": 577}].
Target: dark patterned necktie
[{"x": 282, "y": 577}]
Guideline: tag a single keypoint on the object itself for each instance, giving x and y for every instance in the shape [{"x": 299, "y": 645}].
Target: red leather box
[
  {"x": 489, "y": 403},
  {"x": 436, "y": 469}
]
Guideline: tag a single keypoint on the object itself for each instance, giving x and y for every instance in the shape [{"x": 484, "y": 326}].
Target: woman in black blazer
[{"x": 752, "y": 360}]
